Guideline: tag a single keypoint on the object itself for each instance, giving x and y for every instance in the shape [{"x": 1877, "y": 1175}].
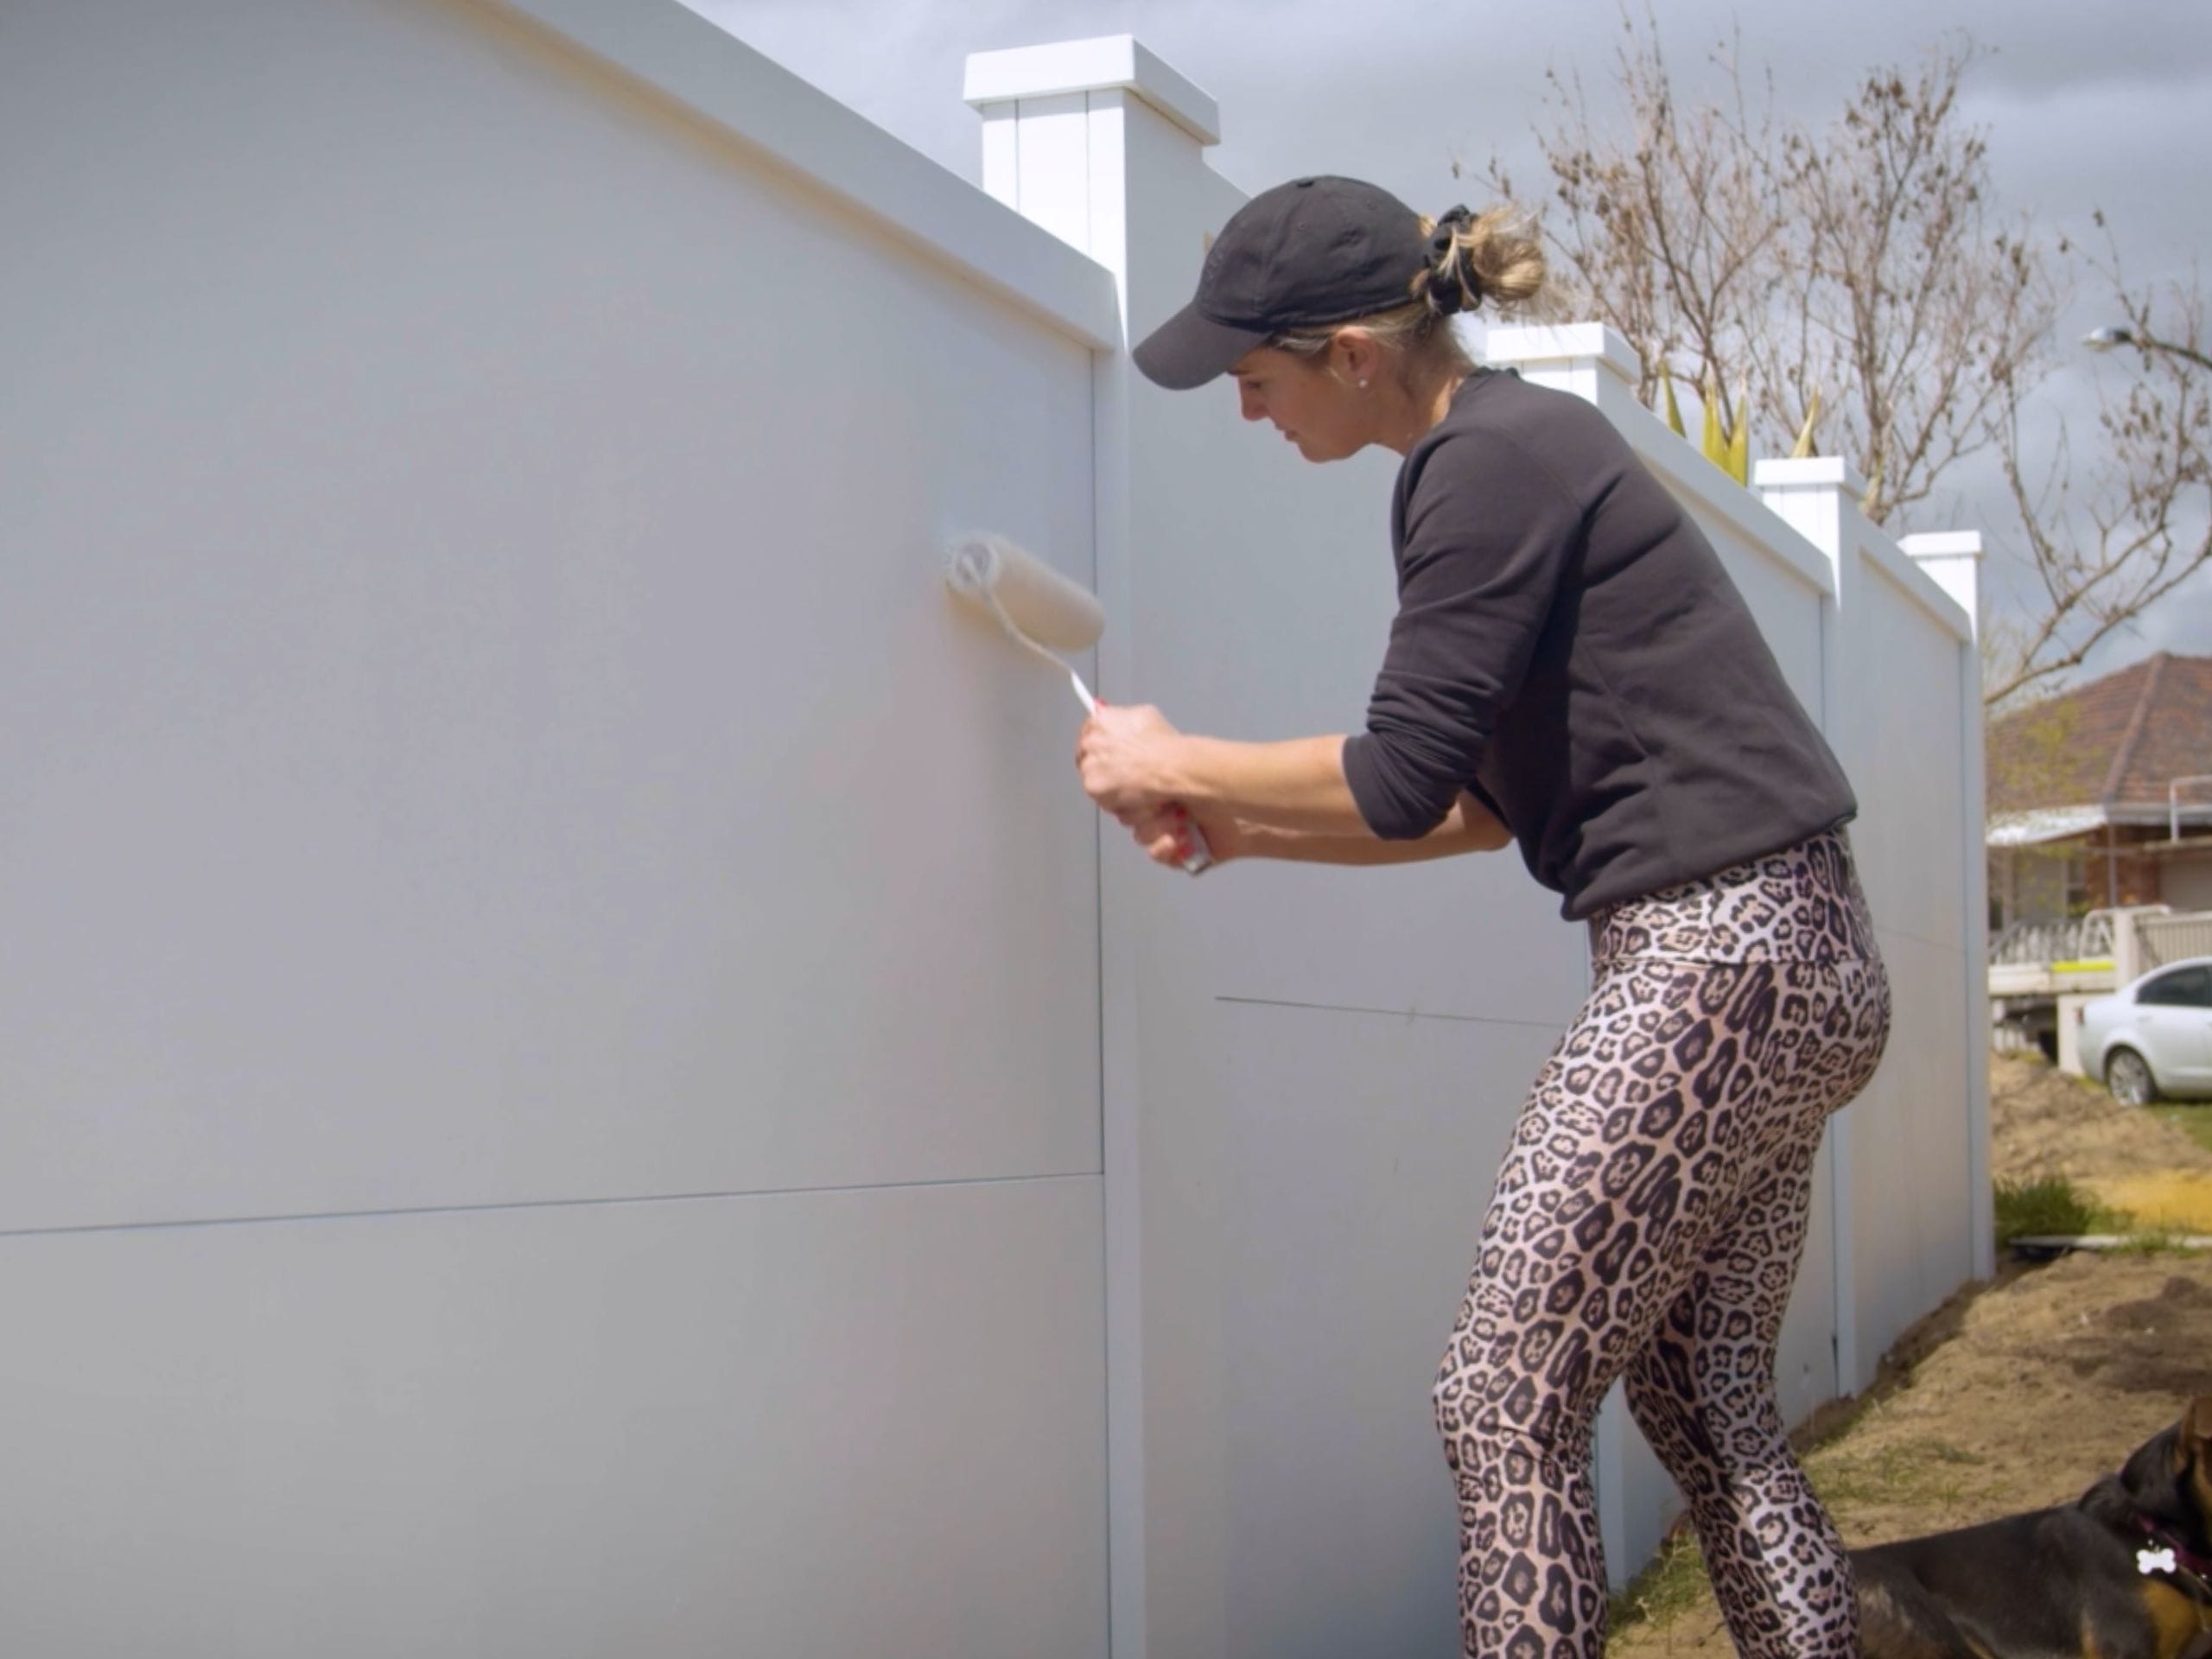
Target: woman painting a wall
[{"x": 1570, "y": 670}]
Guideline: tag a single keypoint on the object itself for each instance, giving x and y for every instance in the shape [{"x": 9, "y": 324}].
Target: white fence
[
  {"x": 577, "y": 1078},
  {"x": 2162, "y": 939}
]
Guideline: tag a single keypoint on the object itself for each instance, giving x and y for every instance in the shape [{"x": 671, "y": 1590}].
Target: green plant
[
  {"x": 1802, "y": 450},
  {"x": 2050, "y": 1206},
  {"x": 2194, "y": 1122},
  {"x": 1905, "y": 1472},
  {"x": 1726, "y": 444},
  {"x": 1664, "y": 1590}
]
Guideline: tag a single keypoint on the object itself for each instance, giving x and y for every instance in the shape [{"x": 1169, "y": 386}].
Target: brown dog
[{"x": 2123, "y": 1572}]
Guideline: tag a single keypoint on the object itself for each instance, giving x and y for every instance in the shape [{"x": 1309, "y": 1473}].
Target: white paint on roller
[
  {"x": 1040, "y": 608},
  {"x": 997, "y": 577},
  {"x": 1051, "y": 609}
]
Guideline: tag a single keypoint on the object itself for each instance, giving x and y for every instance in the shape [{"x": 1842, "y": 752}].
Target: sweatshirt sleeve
[{"x": 1489, "y": 532}]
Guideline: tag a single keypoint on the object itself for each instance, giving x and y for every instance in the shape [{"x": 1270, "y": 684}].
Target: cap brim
[{"x": 1188, "y": 349}]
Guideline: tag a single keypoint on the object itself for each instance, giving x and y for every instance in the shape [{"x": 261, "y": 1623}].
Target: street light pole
[{"x": 2111, "y": 338}]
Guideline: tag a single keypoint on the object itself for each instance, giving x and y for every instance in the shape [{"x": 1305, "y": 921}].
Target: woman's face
[{"x": 1310, "y": 400}]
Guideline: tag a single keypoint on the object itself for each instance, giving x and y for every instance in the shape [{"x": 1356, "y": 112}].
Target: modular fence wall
[{"x": 578, "y": 1075}]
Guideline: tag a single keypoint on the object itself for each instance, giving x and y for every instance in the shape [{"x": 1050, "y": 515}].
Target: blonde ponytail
[{"x": 1494, "y": 258}]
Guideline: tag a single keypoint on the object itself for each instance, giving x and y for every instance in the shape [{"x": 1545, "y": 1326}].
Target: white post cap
[
  {"x": 1109, "y": 63},
  {"x": 1562, "y": 345},
  {"x": 1813, "y": 473}
]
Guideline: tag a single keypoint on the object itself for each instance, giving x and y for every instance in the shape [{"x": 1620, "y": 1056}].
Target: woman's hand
[
  {"x": 1125, "y": 756},
  {"x": 1165, "y": 833}
]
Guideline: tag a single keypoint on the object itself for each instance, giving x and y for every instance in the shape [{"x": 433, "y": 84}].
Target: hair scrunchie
[{"x": 1446, "y": 295}]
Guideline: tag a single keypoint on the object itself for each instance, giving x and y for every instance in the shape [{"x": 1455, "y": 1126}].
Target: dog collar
[{"x": 2171, "y": 1556}]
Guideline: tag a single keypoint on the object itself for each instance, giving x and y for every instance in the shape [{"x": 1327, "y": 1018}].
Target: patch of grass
[
  {"x": 1671, "y": 1585},
  {"x": 1908, "y": 1471},
  {"x": 1831, "y": 1422},
  {"x": 1917, "y": 1472},
  {"x": 2050, "y": 1205},
  {"x": 2194, "y": 1122}
]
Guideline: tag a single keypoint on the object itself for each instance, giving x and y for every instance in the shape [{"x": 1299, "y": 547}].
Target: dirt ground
[
  {"x": 2016, "y": 1395},
  {"x": 2044, "y": 1122}
]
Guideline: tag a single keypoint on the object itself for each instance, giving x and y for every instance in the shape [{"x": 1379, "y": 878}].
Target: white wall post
[
  {"x": 1813, "y": 496},
  {"x": 1589, "y": 360},
  {"x": 1810, "y": 495},
  {"x": 2126, "y": 946},
  {"x": 1041, "y": 107},
  {"x": 1056, "y": 148},
  {"x": 1817, "y": 497},
  {"x": 1592, "y": 361},
  {"x": 1576, "y": 357},
  {"x": 1953, "y": 559}
]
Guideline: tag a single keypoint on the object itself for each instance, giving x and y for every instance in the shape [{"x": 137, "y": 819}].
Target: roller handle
[{"x": 1201, "y": 858}]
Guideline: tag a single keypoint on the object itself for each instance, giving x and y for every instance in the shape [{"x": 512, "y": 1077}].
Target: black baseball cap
[{"x": 1302, "y": 255}]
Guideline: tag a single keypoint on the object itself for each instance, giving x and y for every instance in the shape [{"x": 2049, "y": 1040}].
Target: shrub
[{"x": 2052, "y": 1205}]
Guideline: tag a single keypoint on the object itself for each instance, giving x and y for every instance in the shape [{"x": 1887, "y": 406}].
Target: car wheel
[{"x": 2129, "y": 1079}]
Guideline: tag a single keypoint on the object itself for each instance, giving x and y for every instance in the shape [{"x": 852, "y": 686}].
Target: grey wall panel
[
  {"x": 488, "y": 722},
  {"x": 1905, "y": 748},
  {"x": 1913, "y": 1243},
  {"x": 1911, "y": 1136},
  {"x": 1469, "y": 938},
  {"x": 1357, "y": 1157},
  {"x": 816, "y": 1426}
]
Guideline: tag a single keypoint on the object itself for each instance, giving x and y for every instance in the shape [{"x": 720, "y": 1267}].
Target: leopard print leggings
[{"x": 1647, "y": 1224}]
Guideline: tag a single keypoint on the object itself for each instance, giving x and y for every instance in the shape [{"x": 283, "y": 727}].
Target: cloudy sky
[{"x": 2086, "y": 106}]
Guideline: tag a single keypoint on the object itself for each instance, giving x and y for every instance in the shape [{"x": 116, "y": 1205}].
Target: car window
[{"x": 2184, "y": 988}]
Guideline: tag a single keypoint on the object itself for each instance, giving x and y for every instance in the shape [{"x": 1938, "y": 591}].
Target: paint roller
[{"x": 1043, "y": 612}]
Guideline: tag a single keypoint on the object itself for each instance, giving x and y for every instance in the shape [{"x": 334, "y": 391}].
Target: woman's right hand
[{"x": 1164, "y": 832}]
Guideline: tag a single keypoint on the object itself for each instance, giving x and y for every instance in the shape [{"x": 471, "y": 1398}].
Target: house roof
[
  {"x": 2115, "y": 743},
  {"x": 2039, "y": 824}
]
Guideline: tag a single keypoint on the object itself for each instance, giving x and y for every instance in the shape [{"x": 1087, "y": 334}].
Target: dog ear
[
  {"x": 2193, "y": 1446},
  {"x": 2191, "y": 1434}
]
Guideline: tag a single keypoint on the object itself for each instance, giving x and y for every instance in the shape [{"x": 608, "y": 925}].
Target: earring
[{"x": 1363, "y": 385}]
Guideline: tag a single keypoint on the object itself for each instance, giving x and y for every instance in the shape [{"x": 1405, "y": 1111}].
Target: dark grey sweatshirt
[{"x": 1568, "y": 649}]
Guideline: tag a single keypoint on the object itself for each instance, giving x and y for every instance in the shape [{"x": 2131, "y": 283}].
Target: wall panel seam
[{"x": 401, "y": 1212}]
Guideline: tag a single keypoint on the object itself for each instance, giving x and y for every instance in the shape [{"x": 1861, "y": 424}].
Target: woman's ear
[{"x": 1359, "y": 359}]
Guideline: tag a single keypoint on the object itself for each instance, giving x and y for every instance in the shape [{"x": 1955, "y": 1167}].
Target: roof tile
[{"x": 2119, "y": 739}]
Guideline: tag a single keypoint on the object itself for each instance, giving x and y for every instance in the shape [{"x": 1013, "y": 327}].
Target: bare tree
[
  {"x": 1865, "y": 270},
  {"x": 1670, "y": 229},
  {"x": 1903, "y": 285},
  {"x": 1867, "y": 263},
  {"x": 2143, "y": 523}
]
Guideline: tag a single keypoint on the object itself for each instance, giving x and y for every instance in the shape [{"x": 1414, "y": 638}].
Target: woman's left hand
[{"x": 1124, "y": 755}]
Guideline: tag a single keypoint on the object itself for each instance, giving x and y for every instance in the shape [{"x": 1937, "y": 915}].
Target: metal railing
[{"x": 2074, "y": 939}]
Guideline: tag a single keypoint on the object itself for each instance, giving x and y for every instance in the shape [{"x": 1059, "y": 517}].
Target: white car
[{"x": 2154, "y": 1037}]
